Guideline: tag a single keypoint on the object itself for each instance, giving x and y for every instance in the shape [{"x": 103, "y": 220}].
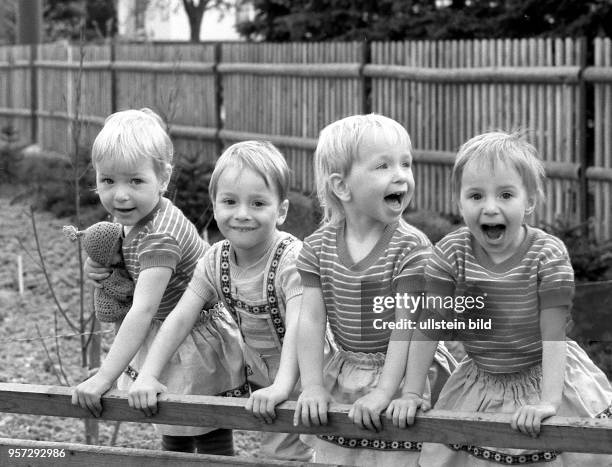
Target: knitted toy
[{"x": 102, "y": 242}]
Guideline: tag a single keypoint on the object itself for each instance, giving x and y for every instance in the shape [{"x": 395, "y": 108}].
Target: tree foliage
[
  {"x": 63, "y": 19},
  {"x": 319, "y": 20}
]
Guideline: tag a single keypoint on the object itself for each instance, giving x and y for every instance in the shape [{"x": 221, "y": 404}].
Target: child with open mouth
[{"x": 523, "y": 365}]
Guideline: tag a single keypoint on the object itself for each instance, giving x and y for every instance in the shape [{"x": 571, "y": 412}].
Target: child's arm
[
  {"x": 366, "y": 410},
  {"x": 143, "y": 392},
  {"x": 420, "y": 357},
  {"x": 313, "y": 402},
  {"x": 528, "y": 418},
  {"x": 263, "y": 401},
  {"x": 148, "y": 293}
]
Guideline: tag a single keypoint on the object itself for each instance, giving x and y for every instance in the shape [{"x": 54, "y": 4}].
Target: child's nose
[
  {"x": 401, "y": 174},
  {"x": 121, "y": 193},
  {"x": 490, "y": 206},
  {"x": 243, "y": 211}
]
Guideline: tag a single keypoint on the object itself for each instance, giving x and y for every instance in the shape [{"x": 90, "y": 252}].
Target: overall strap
[{"x": 275, "y": 314}]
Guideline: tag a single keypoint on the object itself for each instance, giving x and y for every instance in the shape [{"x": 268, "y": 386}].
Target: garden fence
[
  {"x": 480, "y": 429},
  {"x": 443, "y": 92}
]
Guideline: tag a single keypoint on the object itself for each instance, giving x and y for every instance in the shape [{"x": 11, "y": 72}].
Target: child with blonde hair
[
  {"x": 521, "y": 281},
  {"x": 363, "y": 251},
  {"x": 132, "y": 157},
  {"x": 252, "y": 272}
]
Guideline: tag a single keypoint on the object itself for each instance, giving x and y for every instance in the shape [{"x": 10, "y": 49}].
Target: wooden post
[{"x": 218, "y": 98}]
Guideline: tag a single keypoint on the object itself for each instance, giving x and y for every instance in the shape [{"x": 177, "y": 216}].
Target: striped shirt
[
  {"x": 538, "y": 276},
  {"x": 164, "y": 238},
  {"x": 395, "y": 265}
]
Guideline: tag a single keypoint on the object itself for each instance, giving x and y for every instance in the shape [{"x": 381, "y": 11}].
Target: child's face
[
  {"x": 380, "y": 182},
  {"x": 247, "y": 211},
  {"x": 127, "y": 192},
  {"x": 494, "y": 205}
]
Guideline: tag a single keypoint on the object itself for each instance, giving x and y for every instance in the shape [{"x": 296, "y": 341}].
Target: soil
[{"x": 25, "y": 357}]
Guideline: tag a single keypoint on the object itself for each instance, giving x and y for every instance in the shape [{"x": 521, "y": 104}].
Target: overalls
[{"x": 262, "y": 324}]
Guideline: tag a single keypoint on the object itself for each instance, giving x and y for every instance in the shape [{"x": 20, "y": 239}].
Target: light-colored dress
[
  {"x": 209, "y": 361},
  {"x": 502, "y": 370},
  {"x": 256, "y": 297},
  {"x": 395, "y": 265}
]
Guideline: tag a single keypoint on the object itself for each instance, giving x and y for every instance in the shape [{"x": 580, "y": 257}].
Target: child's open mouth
[
  {"x": 493, "y": 232},
  {"x": 395, "y": 199}
]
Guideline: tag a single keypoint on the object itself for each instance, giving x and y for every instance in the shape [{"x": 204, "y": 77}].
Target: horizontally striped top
[
  {"x": 164, "y": 238},
  {"x": 395, "y": 265},
  {"x": 538, "y": 276}
]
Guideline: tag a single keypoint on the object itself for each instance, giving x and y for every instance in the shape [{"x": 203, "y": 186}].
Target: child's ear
[
  {"x": 531, "y": 204},
  {"x": 283, "y": 210},
  {"x": 340, "y": 187}
]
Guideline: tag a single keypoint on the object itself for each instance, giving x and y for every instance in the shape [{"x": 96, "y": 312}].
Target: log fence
[{"x": 558, "y": 433}]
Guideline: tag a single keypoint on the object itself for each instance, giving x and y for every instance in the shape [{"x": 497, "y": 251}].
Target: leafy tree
[
  {"x": 317, "y": 20},
  {"x": 63, "y": 19}
]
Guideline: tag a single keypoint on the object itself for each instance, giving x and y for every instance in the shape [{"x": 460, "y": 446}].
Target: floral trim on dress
[
  {"x": 378, "y": 444},
  {"x": 239, "y": 391},
  {"x": 504, "y": 458}
]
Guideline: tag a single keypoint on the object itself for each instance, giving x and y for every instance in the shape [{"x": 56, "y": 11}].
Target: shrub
[{"x": 432, "y": 224}]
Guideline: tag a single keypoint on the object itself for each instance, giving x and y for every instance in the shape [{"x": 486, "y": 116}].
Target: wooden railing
[{"x": 558, "y": 433}]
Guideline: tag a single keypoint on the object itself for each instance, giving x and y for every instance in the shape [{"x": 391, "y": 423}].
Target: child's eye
[
  {"x": 137, "y": 181},
  {"x": 506, "y": 195},
  {"x": 106, "y": 181},
  {"x": 258, "y": 204},
  {"x": 475, "y": 196},
  {"x": 228, "y": 201},
  {"x": 407, "y": 164},
  {"x": 382, "y": 166}
]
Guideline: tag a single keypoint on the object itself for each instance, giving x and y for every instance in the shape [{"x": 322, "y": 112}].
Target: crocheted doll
[{"x": 102, "y": 242}]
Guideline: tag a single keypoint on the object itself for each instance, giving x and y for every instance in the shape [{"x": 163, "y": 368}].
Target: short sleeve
[
  {"x": 159, "y": 250},
  {"x": 411, "y": 275},
  {"x": 288, "y": 276},
  {"x": 202, "y": 283},
  {"x": 555, "y": 276},
  {"x": 440, "y": 280},
  {"x": 308, "y": 265}
]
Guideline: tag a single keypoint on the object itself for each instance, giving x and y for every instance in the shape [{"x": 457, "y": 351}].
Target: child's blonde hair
[
  {"x": 337, "y": 150},
  {"x": 262, "y": 157},
  {"x": 129, "y": 136},
  {"x": 499, "y": 147}
]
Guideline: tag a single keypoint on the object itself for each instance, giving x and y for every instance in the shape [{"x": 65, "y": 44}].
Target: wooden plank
[
  {"x": 78, "y": 455},
  {"x": 482, "y": 74},
  {"x": 558, "y": 433},
  {"x": 311, "y": 70}
]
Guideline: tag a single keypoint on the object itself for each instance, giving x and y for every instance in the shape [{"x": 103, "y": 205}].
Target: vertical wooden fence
[{"x": 443, "y": 92}]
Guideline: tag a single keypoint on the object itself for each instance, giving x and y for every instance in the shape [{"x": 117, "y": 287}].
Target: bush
[
  {"x": 591, "y": 260},
  {"x": 432, "y": 224},
  {"x": 304, "y": 215},
  {"x": 50, "y": 187}
]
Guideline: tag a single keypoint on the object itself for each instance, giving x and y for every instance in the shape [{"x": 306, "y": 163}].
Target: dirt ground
[{"x": 24, "y": 318}]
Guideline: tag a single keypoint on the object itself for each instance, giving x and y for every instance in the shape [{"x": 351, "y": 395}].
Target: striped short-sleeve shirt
[
  {"x": 395, "y": 265},
  {"x": 510, "y": 294},
  {"x": 164, "y": 238}
]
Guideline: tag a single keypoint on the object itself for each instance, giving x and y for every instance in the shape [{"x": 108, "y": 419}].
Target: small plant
[
  {"x": 591, "y": 259},
  {"x": 10, "y": 152}
]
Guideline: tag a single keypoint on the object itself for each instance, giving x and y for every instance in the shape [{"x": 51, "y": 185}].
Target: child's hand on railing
[
  {"x": 312, "y": 406},
  {"x": 95, "y": 272},
  {"x": 528, "y": 418},
  {"x": 402, "y": 411},
  {"x": 366, "y": 410},
  {"x": 143, "y": 393},
  {"x": 88, "y": 393},
  {"x": 263, "y": 401}
]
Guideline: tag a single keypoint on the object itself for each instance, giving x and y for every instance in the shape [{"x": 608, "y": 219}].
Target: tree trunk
[{"x": 195, "y": 13}]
